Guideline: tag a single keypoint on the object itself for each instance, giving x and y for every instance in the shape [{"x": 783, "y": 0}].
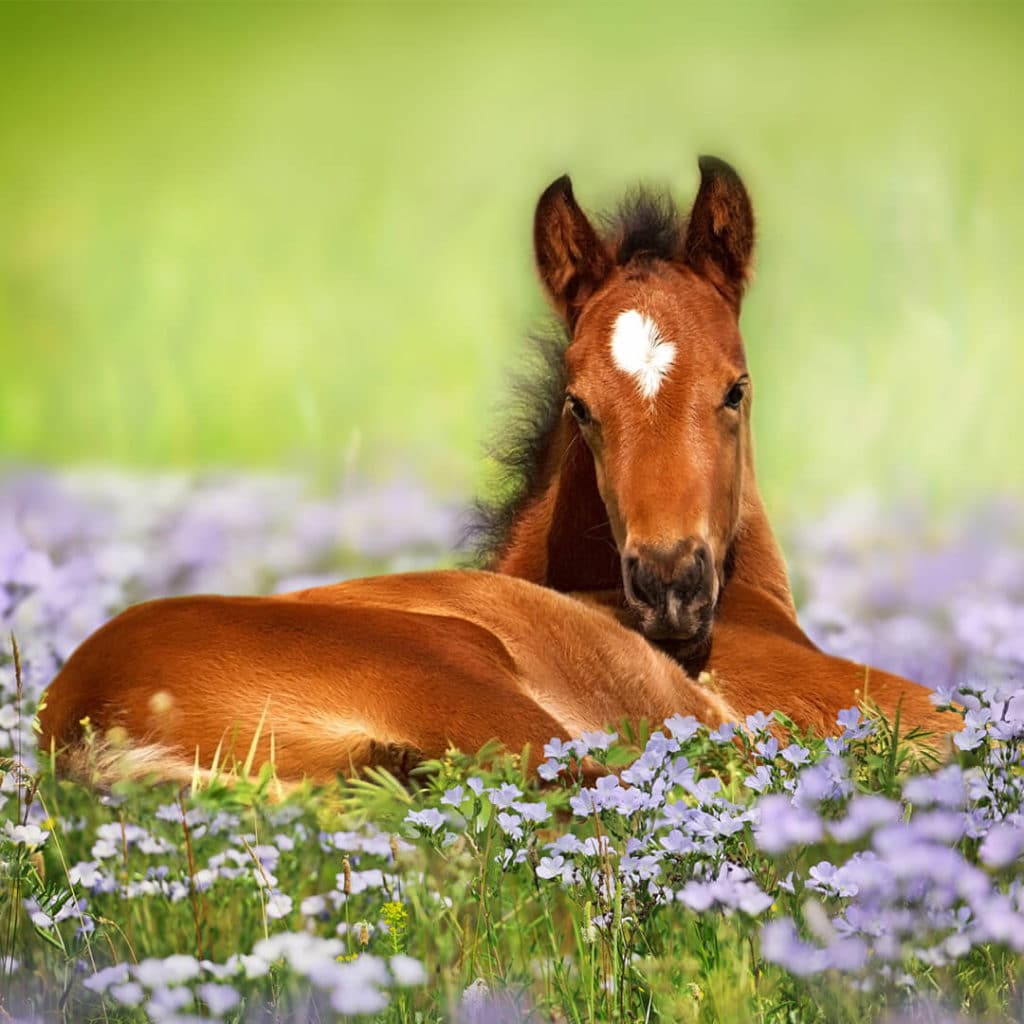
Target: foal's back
[{"x": 378, "y": 671}]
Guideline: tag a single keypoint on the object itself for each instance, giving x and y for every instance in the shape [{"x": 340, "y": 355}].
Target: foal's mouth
[
  {"x": 672, "y": 592},
  {"x": 688, "y": 623},
  {"x": 687, "y": 640}
]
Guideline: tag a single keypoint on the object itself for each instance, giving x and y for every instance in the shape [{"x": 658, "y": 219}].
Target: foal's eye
[
  {"x": 579, "y": 409},
  {"x": 734, "y": 396}
]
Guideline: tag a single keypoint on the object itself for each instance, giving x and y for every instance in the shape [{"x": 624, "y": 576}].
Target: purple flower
[
  {"x": 511, "y": 825},
  {"x": 783, "y": 825},
  {"x": 682, "y": 727},
  {"x": 566, "y": 844},
  {"x": 1003, "y": 845},
  {"x": 532, "y": 812},
  {"x": 221, "y": 999},
  {"x": 454, "y": 796},
  {"x": 828, "y": 879},
  {"x": 970, "y": 737},
  {"x": 429, "y": 820},
  {"x": 599, "y": 740},
  {"x": 107, "y": 976},
  {"x": 704, "y": 791},
  {"x": 559, "y": 750},
  {"x": 554, "y": 867},
  {"x": 943, "y": 826},
  {"x": 945, "y": 787},
  {"x": 796, "y": 755},
  {"x": 818, "y": 782},
  {"x": 864, "y": 813},
  {"x": 731, "y": 889},
  {"x": 760, "y": 780},
  {"x": 659, "y": 746},
  {"x": 644, "y": 769},
  {"x": 724, "y": 733},
  {"x": 585, "y": 803},
  {"x": 130, "y": 993},
  {"x": 505, "y": 795},
  {"x": 676, "y": 842},
  {"x": 780, "y": 944}
]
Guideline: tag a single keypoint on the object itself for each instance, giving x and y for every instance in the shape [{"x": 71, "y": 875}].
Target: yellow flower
[{"x": 396, "y": 917}]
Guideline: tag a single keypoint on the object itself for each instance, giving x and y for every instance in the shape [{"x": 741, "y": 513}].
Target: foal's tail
[{"x": 102, "y": 760}]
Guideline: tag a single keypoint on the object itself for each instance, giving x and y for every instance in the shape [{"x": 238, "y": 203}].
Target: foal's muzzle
[{"x": 671, "y": 590}]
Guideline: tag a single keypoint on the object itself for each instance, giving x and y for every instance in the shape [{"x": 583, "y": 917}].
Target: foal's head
[{"x": 657, "y": 383}]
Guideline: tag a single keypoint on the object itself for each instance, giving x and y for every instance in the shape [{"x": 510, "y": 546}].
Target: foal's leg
[{"x": 521, "y": 724}]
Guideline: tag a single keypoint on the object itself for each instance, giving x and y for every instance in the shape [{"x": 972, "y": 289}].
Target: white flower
[
  {"x": 31, "y": 836},
  {"x": 408, "y": 970},
  {"x": 599, "y": 739},
  {"x": 313, "y": 906},
  {"x": 172, "y": 970},
  {"x": 475, "y": 997},
  {"x": 251, "y": 966},
  {"x": 102, "y": 979},
  {"x": 431, "y": 819},
  {"x": 279, "y": 905},
  {"x": 355, "y": 985},
  {"x": 86, "y": 873},
  {"x": 301, "y": 950},
  {"x": 127, "y": 994},
  {"x": 165, "y": 1002},
  {"x": 219, "y": 998}
]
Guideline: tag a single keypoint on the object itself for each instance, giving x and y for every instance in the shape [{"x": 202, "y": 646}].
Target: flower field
[{"x": 713, "y": 876}]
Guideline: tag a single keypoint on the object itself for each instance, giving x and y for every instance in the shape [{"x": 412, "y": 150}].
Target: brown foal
[{"x": 640, "y": 543}]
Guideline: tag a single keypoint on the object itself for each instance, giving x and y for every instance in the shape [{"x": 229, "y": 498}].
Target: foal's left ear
[
  {"x": 720, "y": 236},
  {"x": 571, "y": 259}
]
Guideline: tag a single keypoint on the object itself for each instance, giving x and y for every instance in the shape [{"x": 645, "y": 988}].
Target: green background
[{"x": 299, "y": 236}]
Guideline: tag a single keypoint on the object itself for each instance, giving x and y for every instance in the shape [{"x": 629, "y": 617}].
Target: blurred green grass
[{"x": 299, "y": 235}]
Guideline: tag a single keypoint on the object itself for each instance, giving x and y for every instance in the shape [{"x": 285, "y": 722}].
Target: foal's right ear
[
  {"x": 571, "y": 259},
  {"x": 720, "y": 237}
]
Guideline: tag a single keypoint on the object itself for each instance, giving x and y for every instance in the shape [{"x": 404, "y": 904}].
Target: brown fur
[
  {"x": 393, "y": 669},
  {"x": 661, "y": 474},
  {"x": 336, "y": 678}
]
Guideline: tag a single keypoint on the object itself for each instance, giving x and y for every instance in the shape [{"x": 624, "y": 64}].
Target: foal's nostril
[
  {"x": 667, "y": 579},
  {"x": 641, "y": 583},
  {"x": 689, "y": 583},
  {"x": 703, "y": 556}
]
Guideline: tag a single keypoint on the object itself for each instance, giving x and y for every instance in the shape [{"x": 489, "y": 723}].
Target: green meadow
[{"x": 299, "y": 235}]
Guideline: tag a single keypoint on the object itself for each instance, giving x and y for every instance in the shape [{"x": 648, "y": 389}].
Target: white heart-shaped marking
[{"x": 639, "y": 350}]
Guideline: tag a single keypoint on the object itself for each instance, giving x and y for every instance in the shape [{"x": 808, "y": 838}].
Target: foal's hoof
[{"x": 397, "y": 758}]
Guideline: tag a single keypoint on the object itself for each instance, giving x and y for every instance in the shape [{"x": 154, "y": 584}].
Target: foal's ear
[
  {"x": 720, "y": 236},
  {"x": 571, "y": 259}
]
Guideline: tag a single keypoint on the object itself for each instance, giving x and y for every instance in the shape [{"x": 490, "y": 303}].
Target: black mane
[
  {"x": 645, "y": 226},
  {"x": 537, "y": 393}
]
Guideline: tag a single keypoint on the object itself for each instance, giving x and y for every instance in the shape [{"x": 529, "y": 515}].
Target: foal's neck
[{"x": 561, "y": 538}]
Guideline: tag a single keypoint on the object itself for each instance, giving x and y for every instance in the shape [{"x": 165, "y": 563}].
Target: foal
[
  {"x": 642, "y": 497},
  {"x": 381, "y": 671},
  {"x": 636, "y": 476}
]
